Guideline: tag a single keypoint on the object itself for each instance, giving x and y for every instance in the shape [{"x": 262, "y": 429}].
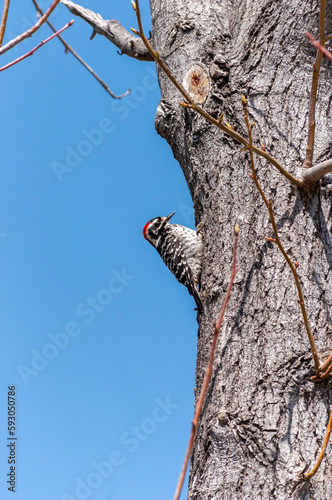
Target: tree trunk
[{"x": 263, "y": 420}]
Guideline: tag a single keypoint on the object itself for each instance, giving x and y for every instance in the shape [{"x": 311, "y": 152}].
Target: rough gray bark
[{"x": 263, "y": 419}]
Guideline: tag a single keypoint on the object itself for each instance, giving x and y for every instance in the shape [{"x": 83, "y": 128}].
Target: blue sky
[{"x": 99, "y": 338}]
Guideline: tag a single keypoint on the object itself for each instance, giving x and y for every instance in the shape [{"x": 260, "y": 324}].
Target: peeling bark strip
[{"x": 113, "y": 31}]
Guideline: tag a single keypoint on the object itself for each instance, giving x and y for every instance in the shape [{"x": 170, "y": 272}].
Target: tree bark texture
[{"x": 263, "y": 420}]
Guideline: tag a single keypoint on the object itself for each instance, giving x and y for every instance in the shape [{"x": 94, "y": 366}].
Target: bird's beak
[{"x": 168, "y": 218}]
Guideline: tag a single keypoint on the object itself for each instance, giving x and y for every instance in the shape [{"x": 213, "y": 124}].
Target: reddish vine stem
[
  {"x": 319, "y": 46},
  {"x": 208, "y": 372},
  {"x": 325, "y": 370},
  {"x": 314, "y": 87},
  {"x": 218, "y": 123},
  {"x": 277, "y": 241},
  {"x": 32, "y": 51},
  {"x": 322, "y": 452},
  {"x": 30, "y": 31},
  {"x": 4, "y": 20}
]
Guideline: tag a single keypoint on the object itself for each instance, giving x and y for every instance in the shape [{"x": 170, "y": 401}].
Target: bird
[{"x": 181, "y": 249}]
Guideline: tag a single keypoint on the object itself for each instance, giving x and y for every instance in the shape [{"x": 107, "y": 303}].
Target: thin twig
[
  {"x": 78, "y": 57},
  {"x": 319, "y": 46},
  {"x": 314, "y": 87},
  {"x": 277, "y": 241},
  {"x": 31, "y": 52},
  {"x": 4, "y": 20},
  {"x": 208, "y": 370},
  {"x": 30, "y": 31},
  {"x": 191, "y": 104},
  {"x": 322, "y": 452}
]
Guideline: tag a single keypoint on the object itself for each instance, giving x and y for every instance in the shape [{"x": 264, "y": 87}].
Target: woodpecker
[{"x": 180, "y": 248}]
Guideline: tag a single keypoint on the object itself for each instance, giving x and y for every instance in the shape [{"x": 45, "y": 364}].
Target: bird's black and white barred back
[{"x": 180, "y": 248}]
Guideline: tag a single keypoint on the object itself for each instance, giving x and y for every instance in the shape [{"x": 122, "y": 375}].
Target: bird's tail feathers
[{"x": 197, "y": 298}]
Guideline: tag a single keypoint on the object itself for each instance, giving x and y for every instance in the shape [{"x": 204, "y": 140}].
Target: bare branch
[
  {"x": 317, "y": 172},
  {"x": 79, "y": 58},
  {"x": 208, "y": 372},
  {"x": 32, "y": 51},
  {"x": 113, "y": 31},
  {"x": 30, "y": 31},
  {"x": 4, "y": 20}
]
